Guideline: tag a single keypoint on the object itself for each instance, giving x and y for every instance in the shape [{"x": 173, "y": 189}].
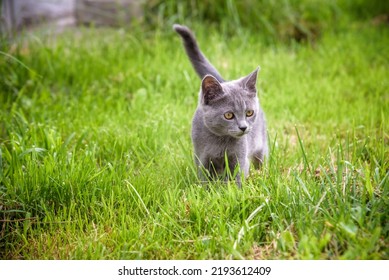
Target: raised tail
[{"x": 199, "y": 61}]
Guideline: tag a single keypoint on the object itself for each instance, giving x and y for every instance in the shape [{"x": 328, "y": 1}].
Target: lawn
[{"x": 96, "y": 157}]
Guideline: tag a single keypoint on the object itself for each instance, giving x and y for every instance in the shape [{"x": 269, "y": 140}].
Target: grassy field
[{"x": 96, "y": 157}]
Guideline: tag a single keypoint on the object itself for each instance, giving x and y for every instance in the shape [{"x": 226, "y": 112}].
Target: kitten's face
[
  {"x": 230, "y": 109},
  {"x": 233, "y": 115}
]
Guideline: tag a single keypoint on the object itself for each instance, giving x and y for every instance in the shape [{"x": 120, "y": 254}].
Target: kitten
[{"x": 228, "y": 126}]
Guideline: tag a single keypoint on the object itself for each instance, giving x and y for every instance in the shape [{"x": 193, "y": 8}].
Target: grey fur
[
  {"x": 199, "y": 61},
  {"x": 243, "y": 138}
]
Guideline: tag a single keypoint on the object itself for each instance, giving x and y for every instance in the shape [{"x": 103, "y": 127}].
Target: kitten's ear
[
  {"x": 210, "y": 89},
  {"x": 249, "y": 82}
]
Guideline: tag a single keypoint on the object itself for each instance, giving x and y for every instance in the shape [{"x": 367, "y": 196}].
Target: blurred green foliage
[{"x": 286, "y": 20}]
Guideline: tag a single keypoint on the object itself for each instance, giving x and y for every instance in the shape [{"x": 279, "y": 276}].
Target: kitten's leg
[
  {"x": 229, "y": 174},
  {"x": 257, "y": 159},
  {"x": 201, "y": 170},
  {"x": 244, "y": 166},
  {"x": 206, "y": 169}
]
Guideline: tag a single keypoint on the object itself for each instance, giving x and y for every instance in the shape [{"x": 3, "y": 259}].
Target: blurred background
[{"x": 276, "y": 19}]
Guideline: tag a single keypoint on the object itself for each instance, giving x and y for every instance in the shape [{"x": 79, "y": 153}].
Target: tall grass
[
  {"x": 286, "y": 20},
  {"x": 96, "y": 158}
]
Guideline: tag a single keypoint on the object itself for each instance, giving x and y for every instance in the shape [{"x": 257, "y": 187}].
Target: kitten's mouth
[{"x": 239, "y": 134}]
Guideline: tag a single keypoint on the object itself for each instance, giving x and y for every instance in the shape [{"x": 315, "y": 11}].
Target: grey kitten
[{"x": 228, "y": 126}]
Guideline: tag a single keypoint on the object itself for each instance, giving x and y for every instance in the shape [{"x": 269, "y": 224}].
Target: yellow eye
[
  {"x": 229, "y": 116},
  {"x": 249, "y": 113}
]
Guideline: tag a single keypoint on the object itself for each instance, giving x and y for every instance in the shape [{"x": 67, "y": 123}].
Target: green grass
[
  {"x": 96, "y": 156},
  {"x": 285, "y": 20}
]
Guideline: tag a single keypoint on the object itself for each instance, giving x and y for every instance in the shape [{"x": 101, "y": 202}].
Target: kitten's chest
[{"x": 220, "y": 148}]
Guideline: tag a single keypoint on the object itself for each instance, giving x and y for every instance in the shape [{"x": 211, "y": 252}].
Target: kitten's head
[{"x": 230, "y": 108}]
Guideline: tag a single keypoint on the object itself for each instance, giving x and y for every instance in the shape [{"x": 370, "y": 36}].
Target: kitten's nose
[{"x": 243, "y": 128}]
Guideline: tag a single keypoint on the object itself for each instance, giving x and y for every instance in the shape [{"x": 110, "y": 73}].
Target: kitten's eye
[
  {"x": 229, "y": 116},
  {"x": 249, "y": 113}
]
